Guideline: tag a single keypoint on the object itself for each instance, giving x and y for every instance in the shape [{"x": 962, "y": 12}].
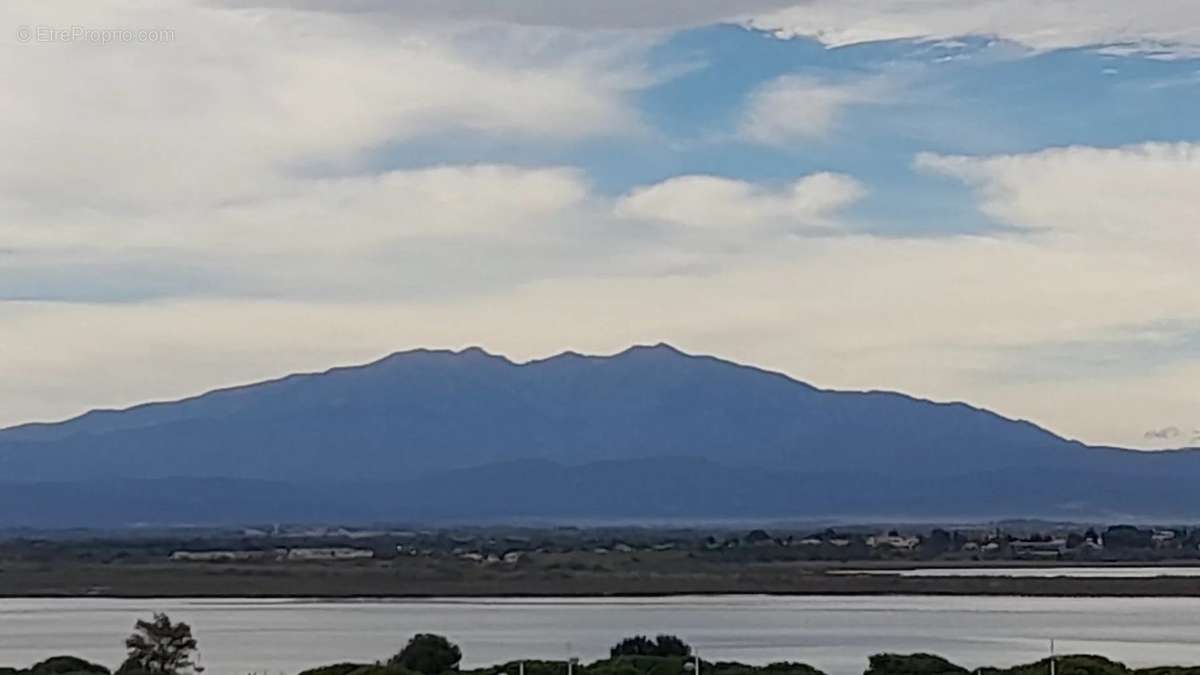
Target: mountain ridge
[
  {"x": 447, "y": 426},
  {"x": 34, "y": 426}
]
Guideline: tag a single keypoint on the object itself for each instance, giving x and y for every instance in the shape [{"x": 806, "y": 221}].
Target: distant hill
[{"x": 649, "y": 432}]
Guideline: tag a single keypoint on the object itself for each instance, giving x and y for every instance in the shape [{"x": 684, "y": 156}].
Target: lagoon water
[
  {"x": 1105, "y": 572},
  {"x": 833, "y": 633}
]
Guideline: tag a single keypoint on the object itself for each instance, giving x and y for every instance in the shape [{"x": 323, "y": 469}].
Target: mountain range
[{"x": 649, "y": 433}]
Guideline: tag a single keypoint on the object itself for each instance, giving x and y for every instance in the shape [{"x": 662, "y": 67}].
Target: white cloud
[
  {"x": 240, "y": 101},
  {"x": 1162, "y": 28},
  {"x": 1116, "y": 220},
  {"x": 724, "y": 204},
  {"x": 477, "y": 201},
  {"x": 327, "y": 214},
  {"x": 252, "y": 148},
  {"x": 1142, "y": 194},
  {"x": 796, "y": 108}
]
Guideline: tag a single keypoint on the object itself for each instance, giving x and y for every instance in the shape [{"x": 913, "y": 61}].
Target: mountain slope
[{"x": 416, "y": 417}]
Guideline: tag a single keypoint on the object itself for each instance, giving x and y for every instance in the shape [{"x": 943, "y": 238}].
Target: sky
[{"x": 993, "y": 201}]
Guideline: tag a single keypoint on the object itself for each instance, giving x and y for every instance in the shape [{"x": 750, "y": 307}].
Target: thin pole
[{"x": 1051, "y": 656}]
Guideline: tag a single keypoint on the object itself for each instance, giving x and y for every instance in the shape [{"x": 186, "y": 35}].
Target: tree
[
  {"x": 670, "y": 645},
  {"x": 160, "y": 646},
  {"x": 911, "y": 664},
  {"x": 938, "y": 542},
  {"x": 429, "y": 654},
  {"x": 758, "y": 537},
  {"x": 640, "y": 645},
  {"x": 1073, "y": 664},
  {"x": 1127, "y": 536}
]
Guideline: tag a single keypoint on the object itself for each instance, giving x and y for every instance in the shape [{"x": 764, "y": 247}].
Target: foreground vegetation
[{"x": 162, "y": 647}]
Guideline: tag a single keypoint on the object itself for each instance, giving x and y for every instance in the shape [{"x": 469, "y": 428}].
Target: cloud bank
[{"x": 1165, "y": 28}]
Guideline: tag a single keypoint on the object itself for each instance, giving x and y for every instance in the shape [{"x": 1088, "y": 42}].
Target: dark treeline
[{"x": 161, "y": 647}]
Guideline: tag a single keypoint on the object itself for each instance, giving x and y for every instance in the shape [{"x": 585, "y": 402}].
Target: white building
[
  {"x": 218, "y": 556},
  {"x": 330, "y": 553}
]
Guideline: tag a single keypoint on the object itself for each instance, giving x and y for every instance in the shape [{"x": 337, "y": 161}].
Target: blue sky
[{"x": 981, "y": 200}]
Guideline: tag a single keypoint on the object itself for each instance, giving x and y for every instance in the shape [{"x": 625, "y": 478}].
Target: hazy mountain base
[{"x": 652, "y": 490}]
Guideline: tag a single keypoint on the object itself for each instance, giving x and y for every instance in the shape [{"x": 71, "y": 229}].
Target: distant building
[
  {"x": 219, "y": 556},
  {"x": 1038, "y": 549},
  {"x": 1163, "y": 538},
  {"x": 330, "y": 553},
  {"x": 893, "y": 541}
]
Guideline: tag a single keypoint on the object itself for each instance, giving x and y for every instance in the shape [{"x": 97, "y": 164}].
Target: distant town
[
  {"x": 308, "y": 561},
  {"x": 999, "y": 543}
]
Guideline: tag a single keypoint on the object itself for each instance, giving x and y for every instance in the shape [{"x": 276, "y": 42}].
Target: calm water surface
[
  {"x": 834, "y": 633},
  {"x": 1040, "y": 572}
]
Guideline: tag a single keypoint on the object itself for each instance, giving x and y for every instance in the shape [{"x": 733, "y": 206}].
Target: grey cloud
[
  {"x": 610, "y": 14},
  {"x": 1164, "y": 434}
]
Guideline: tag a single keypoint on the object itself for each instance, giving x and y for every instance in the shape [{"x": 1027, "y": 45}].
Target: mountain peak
[
  {"x": 469, "y": 354},
  {"x": 658, "y": 349},
  {"x": 477, "y": 352}
]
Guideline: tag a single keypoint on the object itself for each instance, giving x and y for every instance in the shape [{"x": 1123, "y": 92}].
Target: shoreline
[{"x": 355, "y": 581}]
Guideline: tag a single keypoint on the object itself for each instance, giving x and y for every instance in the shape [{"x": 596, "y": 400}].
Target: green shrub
[
  {"x": 1168, "y": 670},
  {"x": 381, "y": 669},
  {"x": 912, "y": 664},
  {"x": 1074, "y": 664},
  {"x": 62, "y": 665},
  {"x": 428, "y": 654},
  {"x": 335, "y": 669},
  {"x": 640, "y": 645}
]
